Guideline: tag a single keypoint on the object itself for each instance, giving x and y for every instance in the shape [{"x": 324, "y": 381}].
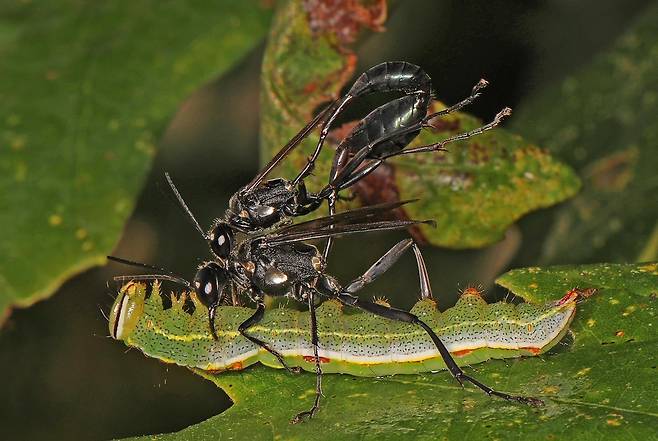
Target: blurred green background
[{"x": 66, "y": 379}]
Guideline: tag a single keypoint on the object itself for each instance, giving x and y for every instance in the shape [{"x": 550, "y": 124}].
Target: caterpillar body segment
[{"x": 357, "y": 343}]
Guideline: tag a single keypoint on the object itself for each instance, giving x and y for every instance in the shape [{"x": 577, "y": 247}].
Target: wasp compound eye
[
  {"x": 209, "y": 283},
  {"x": 221, "y": 240}
]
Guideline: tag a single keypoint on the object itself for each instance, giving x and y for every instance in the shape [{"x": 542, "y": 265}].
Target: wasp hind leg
[
  {"x": 318, "y": 369},
  {"x": 255, "y": 318},
  {"x": 346, "y": 297}
]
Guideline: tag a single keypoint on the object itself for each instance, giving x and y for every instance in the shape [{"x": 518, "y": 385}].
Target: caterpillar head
[{"x": 128, "y": 308}]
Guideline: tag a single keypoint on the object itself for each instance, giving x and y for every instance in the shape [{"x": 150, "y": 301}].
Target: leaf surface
[
  {"x": 87, "y": 88},
  {"x": 602, "y": 120},
  {"x": 598, "y": 384}
]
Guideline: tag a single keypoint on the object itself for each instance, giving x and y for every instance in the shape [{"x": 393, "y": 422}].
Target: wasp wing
[
  {"x": 293, "y": 143},
  {"x": 371, "y": 213},
  {"x": 339, "y": 230}
]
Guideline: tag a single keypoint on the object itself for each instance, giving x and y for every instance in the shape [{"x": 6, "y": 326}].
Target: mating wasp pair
[{"x": 258, "y": 251}]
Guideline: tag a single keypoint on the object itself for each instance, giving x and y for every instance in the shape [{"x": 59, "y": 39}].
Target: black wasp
[
  {"x": 258, "y": 254},
  {"x": 384, "y": 133}
]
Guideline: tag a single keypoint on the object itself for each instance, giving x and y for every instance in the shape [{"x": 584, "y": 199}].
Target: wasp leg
[
  {"x": 346, "y": 297},
  {"x": 235, "y": 296},
  {"x": 310, "y": 163},
  {"x": 460, "y": 137},
  {"x": 255, "y": 318},
  {"x": 318, "y": 369},
  {"x": 307, "y": 202},
  {"x": 292, "y": 144},
  {"x": 348, "y": 159},
  {"x": 211, "y": 320},
  {"x": 423, "y": 276},
  {"x": 475, "y": 94}
]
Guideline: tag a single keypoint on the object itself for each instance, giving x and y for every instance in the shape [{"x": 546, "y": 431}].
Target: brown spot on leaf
[
  {"x": 614, "y": 172},
  {"x": 477, "y": 153},
  {"x": 380, "y": 187},
  {"x": 344, "y": 19},
  {"x": 445, "y": 125}
]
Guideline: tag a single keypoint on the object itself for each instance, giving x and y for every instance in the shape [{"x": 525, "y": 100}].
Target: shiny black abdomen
[{"x": 400, "y": 113}]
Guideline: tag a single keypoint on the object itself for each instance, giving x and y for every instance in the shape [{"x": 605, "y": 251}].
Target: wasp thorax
[
  {"x": 209, "y": 283},
  {"x": 221, "y": 240}
]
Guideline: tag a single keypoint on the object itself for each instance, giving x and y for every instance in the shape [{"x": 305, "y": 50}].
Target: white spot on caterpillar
[{"x": 121, "y": 320}]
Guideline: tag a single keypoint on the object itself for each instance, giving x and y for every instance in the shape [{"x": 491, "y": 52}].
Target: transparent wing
[{"x": 370, "y": 213}]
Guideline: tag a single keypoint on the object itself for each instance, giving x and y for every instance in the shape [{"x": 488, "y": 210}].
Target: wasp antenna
[
  {"x": 139, "y": 264},
  {"x": 184, "y": 206},
  {"x": 167, "y": 277}
]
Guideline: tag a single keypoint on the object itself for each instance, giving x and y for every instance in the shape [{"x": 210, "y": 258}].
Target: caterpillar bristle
[
  {"x": 381, "y": 301},
  {"x": 195, "y": 300},
  {"x": 472, "y": 290}
]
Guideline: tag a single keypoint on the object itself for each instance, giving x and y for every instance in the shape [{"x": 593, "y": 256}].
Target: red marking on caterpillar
[
  {"x": 237, "y": 366},
  {"x": 570, "y": 296},
  {"x": 311, "y": 359},
  {"x": 462, "y": 352}
]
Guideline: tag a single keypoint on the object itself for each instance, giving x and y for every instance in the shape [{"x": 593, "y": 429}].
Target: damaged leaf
[{"x": 87, "y": 88}]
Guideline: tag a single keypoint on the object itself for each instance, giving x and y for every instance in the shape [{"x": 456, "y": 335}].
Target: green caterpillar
[{"x": 357, "y": 343}]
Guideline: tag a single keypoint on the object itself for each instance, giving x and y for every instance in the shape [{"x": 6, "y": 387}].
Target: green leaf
[
  {"x": 87, "y": 88},
  {"x": 475, "y": 192},
  {"x": 301, "y": 70},
  {"x": 600, "y": 385},
  {"x": 481, "y": 186},
  {"x": 602, "y": 120}
]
